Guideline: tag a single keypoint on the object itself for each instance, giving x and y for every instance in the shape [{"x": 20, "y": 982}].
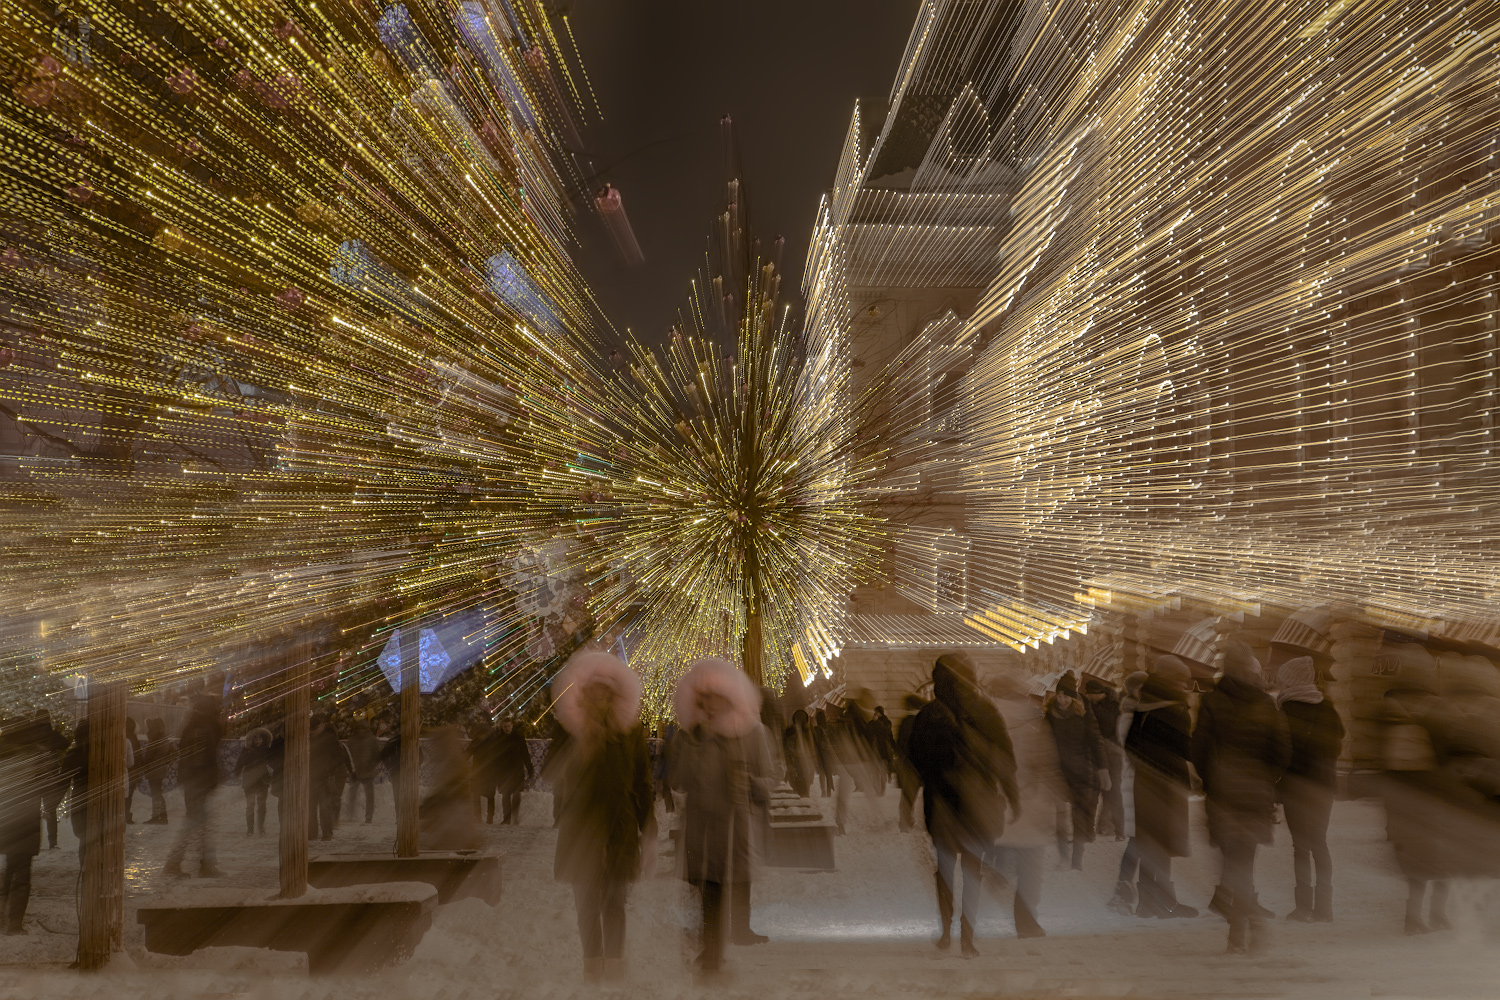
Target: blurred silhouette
[
  {"x": 1158, "y": 746},
  {"x": 602, "y": 781},
  {"x": 254, "y": 770},
  {"x": 1306, "y": 790},
  {"x": 722, "y": 766},
  {"x": 325, "y": 759},
  {"x": 1080, "y": 753},
  {"x": 1241, "y": 748},
  {"x": 513, "y": 768},
  {"x": 1041, "y": 784},
  {"x": 155, "y": 765},
  {"x": 962, "y": 752},
  {"x": 1124, "y": 899},
  {"x": 133, "y": 778},
  {"x": 198, "y": 774},
  {"x": 797, "y": 752},
  {"x": 364, "y": 764},
  {"x": 25, "y": 772},
  {"x": 1104, "y": 705},
  {"x": 446, "y": 812},
  {"x": 906, "y": 775}
]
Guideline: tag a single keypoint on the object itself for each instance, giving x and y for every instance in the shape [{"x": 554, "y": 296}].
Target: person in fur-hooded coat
[
  {"x": 723, "y": 767},
  {"x": 603, "y": 783}
]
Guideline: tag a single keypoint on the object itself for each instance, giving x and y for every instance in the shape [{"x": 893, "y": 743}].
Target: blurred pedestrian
[
  {"x": 797, "y": 751},
  {"x": 364, "y": 762},
  {"x": 158, "y": 754},
  {"x": 883, "y": 740},
  {"x": 823, "y": 751},
  {"x": 325, "y": 757},
  {"x": 26, "y": 765},
  {"x": 1041, "y": 784},
  {"x": 660, "y": 767},
  {"x": 1105, "y": 707},
  {"x": 446, "y": 812},
  {"x": 55, "y": 788},
  {"x": 906, "y": 776},
  {"x": 133, "y": 776},
  {"x": 1240, "y": 748},
  {"x": 254, "y": 770},
  {"x": 1306, "y": 790},
  {"x": 962, "y": 753},
  {"x": 603, "y": 783},
  {"x": 1124, "y": 899},
  {"x": 1080, "y": 753},
  {"x": 1159, "y": 745},
  {"x": 198, "y": 776},
  {"x": 513, "y": 768},
  {"x": 721, "y": 764}
]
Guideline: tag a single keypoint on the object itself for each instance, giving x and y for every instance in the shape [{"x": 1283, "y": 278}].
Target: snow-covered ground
[{"x": 864, "y": 930}]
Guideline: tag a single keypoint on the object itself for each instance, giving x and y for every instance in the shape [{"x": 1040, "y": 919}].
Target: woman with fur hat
[
  {"x": 603, "y": 783},
  {"x": 722, "y": 765},
  {"x": 1306, "y": 790}
]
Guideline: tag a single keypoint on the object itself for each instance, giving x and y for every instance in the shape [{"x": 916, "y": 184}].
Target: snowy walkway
[{"x": 863, "y": 931}]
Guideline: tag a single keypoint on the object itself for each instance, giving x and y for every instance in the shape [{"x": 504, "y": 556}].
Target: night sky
[{"x": 787, "y": 71}]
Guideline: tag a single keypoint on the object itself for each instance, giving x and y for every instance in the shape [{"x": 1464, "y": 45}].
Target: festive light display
[
  {"x": 725, "y": 483},
  {"x": 1234, "y": 268},
  {"x": 279, "y": 281}
]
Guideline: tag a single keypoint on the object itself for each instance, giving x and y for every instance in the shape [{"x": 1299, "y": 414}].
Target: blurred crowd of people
[{"x": 1001, "y": 769}]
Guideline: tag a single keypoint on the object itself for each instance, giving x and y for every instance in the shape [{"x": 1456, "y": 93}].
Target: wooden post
[
  {"x": 293, "y": 812},
  {"x": 753, "y": 647},
  {"x": 101, "y": 918},
  {"x": 411, "y": 741}
]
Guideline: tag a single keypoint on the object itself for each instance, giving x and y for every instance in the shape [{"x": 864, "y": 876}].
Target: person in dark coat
[
  {"x": 446, "y": 813},
  {"x": 390, "y": 761},
  {"x": 1241, "y": 749},
  {"x": 75, "y": 770},
  {"x": 660, "y": 771},
  {"x": 721, "y": 763},
  {"x": 1306, "y": 790},
  {"x": 364, "y": 765},
  {"x": 156, "y": 763},
  {"x": 603, "y": 780},
  {"x": 26, "y": 766},
  {"x": 1158, "y": 744},
  {"x": 325, "y": 759},
  {"x": 55, "y": 788},
  {"x": 883, "y": 739},
  {"x": 254, "y": 770},
  {"x": 1105, "y": 707},
  {"x": 797, "y": 752},
  {"x": 823, "y": 751},
  {"x": 906, "y": 775},
  {"x": 513, "y": 769},
  {"x": 132, "y": 779},
  {"x": 198, "y": 774},
  {"x": 962, "y": 752},
  {"x": 1080, "y": 754},
  {"x": 483, "y": 749}
]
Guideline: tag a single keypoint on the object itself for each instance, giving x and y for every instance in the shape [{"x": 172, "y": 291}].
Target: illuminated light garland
[{"x": 1236, "y": 321}]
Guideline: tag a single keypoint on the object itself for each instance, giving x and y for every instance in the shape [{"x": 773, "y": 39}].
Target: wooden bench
[
  {"x": 354, "y": 929},
  {"x": 455, "y": 874}
]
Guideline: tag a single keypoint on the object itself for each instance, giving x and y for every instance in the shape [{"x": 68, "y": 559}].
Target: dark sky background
[{"x": 787, "y": 71}]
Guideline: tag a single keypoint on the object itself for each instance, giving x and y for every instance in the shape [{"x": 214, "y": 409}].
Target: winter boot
[
  {"x": 1150, "y": 902},
  {"x": 1171, "y": 909},
  {"x": 593, "y": 970},
  {"x": 739, "y": 916},
  {"x": 1239, "y": 936},
  {"x": 1026, "y": 925},
  {"x": 1304, "y": 911},
  {"x": 1322, "y": 911},
  {"x": 1123, "y": 901},
  {"x": 1222, "y": 903},
  {"x": 966, "y": 938}
]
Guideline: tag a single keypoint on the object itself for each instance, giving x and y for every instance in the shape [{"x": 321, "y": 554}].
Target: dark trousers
[
  {"x": 255, "y": 806},
  {"x": 158, "y": 799},
  {"x": 1307, "y": 817},
  {"x": 601, "y": 917},
  {"x": 194, "y": 830},
  {"x": 15, "y": 890},
  {"x": 1130, "y": 862},
  {"x": 712, "y": 896},
  {"x": 322, "y": 810},
  {"x": 510, "y": 806},
  {"x": 1027, "y": 864},
  {"x": 1113, "y": 801},
  {"x": 49, "y": 815},
  {"x": 1154, "y": 890},
  {"x": 1239, "y": 874},
  {"x": 368, "y": 784}
]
